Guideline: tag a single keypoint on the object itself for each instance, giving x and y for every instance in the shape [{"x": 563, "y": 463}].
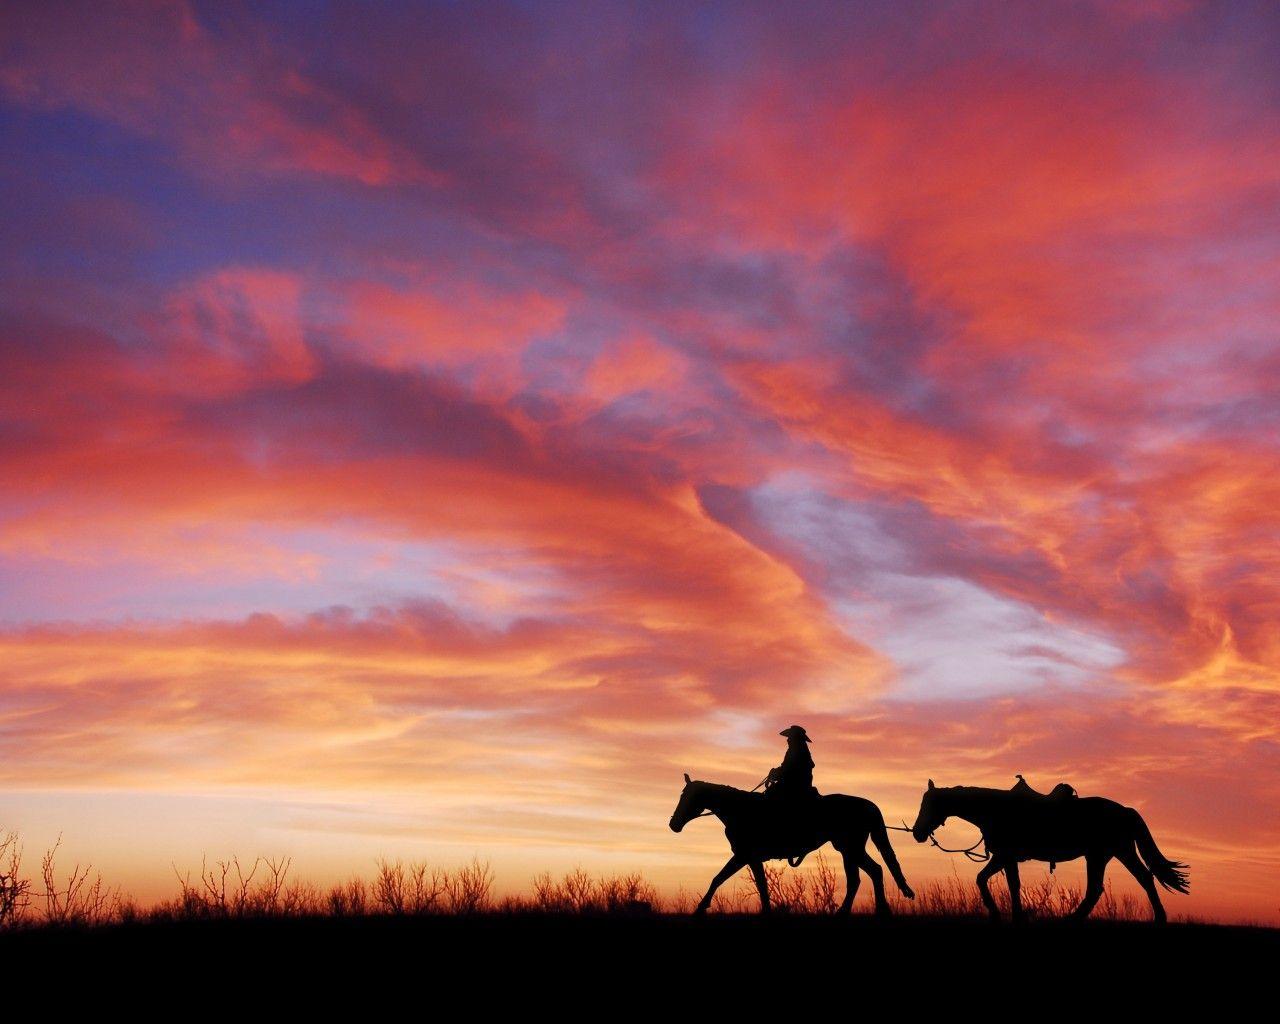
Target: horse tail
[
  {"x": 1169, "y": 873},
  {"x": 880, "y": 836}
]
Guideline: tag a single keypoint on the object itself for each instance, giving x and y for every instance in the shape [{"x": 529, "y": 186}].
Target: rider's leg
[
  {"x": 983, "y": 877},
  {"x": 1130, "y": 859},
  {"x": 851, "y": 879},
  {"x": 876, "y": 874},
  {"x": 1095, "y": 867},
  {"x": 1015, "y": 889},
  {"x": 762, "y": 885},
  {"x": 728, "y": 871}
]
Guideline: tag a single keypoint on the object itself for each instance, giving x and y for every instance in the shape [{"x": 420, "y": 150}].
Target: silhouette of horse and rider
[{"x": 790, "y": 819}]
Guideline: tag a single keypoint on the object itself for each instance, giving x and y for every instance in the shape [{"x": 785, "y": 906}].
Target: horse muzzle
[{"x": 676, "y": 826}]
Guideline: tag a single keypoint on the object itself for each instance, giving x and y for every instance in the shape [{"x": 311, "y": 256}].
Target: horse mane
[
  {"x": 719, "y": 787},
  {"x": 978, "y": 790}
]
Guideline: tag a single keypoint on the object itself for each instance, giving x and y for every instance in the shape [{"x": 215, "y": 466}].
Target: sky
[{"x": 429, "y": 430}]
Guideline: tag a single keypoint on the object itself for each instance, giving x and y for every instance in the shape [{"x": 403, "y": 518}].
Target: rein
[{"x": 970, "y": 852}]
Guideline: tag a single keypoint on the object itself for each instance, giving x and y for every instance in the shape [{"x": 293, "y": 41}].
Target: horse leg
[
  {"x": 851, "y": 880},
  {"x": 762, "y": 884},
  {"x": 734, "y": 865},
  {"x": 1095, "y": 866},
  {"x": 876, "y": 874},
  {"x": 984, "y": 875},
  {"x": 1130, "y": 859},
  {"x": 1015, "y": 889}
]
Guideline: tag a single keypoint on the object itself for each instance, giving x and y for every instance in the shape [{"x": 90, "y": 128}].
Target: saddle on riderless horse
[{"x": 1061, "y": 791}]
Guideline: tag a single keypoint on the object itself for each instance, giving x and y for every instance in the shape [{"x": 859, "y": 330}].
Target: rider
[
  {"x": 793, "y": 779},
  {"x": 790, "y": 788}
]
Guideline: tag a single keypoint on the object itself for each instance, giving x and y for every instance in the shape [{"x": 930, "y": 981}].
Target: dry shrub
[
  {"x": 468, "y": 888},
  {"x": 228, "y": 889},
  {"x": 580, "y": 893},
  {"x": 396, "y": 890},
  {"x": 82, "y": 900},
  {"x": 349, "y": 899},
  {"x": 628, "y": 893},
  {"x": 681, "y": 902},
  {"x": 15, "y": 891}
]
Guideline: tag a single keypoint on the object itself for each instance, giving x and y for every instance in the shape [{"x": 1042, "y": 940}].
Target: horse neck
[
  {"x": 723, "y": 801},
  {"x": 973, "y": 804}
]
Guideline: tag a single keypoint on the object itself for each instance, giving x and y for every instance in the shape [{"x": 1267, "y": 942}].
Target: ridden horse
[
  {"x": 1020, "y": 825},
  {"x": 758, "y": 831}
]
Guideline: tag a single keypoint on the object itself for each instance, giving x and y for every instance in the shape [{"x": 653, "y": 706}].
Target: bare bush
[
  {"x": 83, "y": 899},
  {"x": 576, "y": 893},
  {"x": 269, "y": 899},
  {"x": 427, "y": 887},
  {"x": 414, "y": 888},
  {"x": 823, "y": 887},
  {"x": 349, "y": 899},
  {"x": 15, "y": 891},
  {"x": 389, "y": 887},
  {"x": 579, "y": 892},
  {"x": 546, "y": 894},
  {"x": 627, "y": 893},
  {"x": 469, "y": 887},
  {"x": 229, "y": 889},
  {"x": 682, "y": 901},
  {"x": 301, "y": 899}
]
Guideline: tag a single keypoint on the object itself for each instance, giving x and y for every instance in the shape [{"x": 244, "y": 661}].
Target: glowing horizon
[{"x": 431, "y": 434}]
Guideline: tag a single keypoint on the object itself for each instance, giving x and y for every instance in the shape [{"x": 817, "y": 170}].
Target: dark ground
[{"x": 943, "y": 969}]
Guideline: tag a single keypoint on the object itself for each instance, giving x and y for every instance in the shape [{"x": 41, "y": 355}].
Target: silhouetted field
[
  {"x": 414, "y": 927},
  {"x": 269, "y": 888}
]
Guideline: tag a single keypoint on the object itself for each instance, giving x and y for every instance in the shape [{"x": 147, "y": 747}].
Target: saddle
[{"x": 1061, "y": 791}]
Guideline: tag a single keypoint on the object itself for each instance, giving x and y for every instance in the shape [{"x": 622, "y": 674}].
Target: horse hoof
[{"x": 909, "y": 893}]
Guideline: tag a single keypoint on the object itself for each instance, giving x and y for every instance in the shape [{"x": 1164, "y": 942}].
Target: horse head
[
  {"x": 932, "y": 814},
  {"x": 689, "y": 806}
]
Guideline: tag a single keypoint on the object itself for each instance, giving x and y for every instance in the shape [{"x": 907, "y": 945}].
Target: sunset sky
[{"x": 428, "y": 431}]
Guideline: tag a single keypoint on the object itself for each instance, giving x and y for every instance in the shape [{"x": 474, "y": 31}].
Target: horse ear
[
  {"x": 931, "y": 786},
  {"x": 687, "y": 779}
]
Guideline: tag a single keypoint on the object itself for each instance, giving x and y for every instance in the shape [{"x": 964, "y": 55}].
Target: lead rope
[{"x": 968, "y": 851}]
